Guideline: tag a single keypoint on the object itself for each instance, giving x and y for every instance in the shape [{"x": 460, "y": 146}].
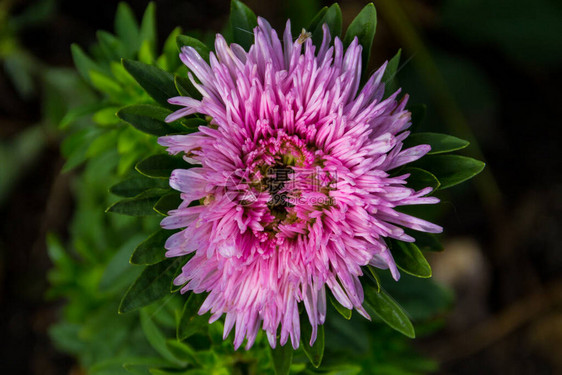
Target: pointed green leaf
[
  {"x": 141, "y": 205},
  {"x": 374, "y": 278},
  {"x": 148, "y": 27},
  {"x": 242, "y": 22},
  {"x": 168, "y": 202},
  {"x": 161, "y": 165},
  {"x": 450, "y": 170},
  {"x": 171, "y": 51},
  {"x": 190, "y": 322},
  {"x": 315, "y": 23},
  {"x": 127, "y": 28},
  {"x": 75, "y": 146},
  {"x": 425, "y": 241},
  {"x": 192, "y": 124},
  {"x": 106, "y": 116},
  {"x": 133, "y": 186},
  {"x": 420, "y": 179},
  {"x": 363, "y": 27},
  {"x": 315, "y": 353},
  {"x": 440, "y": 143},
  {"x": 173, "y": 287},
  {"x": 156, "y": 338},
  {"x": 391, "y": 68},
  {"x": 156, "y": 82},
  {"x": 389, "y": 311},
  {"x": 150, "y": 286},
  {"x": 150, "y": 119},
  {"x": 83, "y": 63},
  {"x": 346, "y": 313},
  {"x": 151, "y": 250},
  {"x": 186, "y": 88},
  {"x": 146, "y": 54},
  {"x": 282, "y": 358},
  {"x": 410, "y": 259},
  {"x": 111, "y": 47},
  {"x": 199, "y": 46},
  {"x": 389, "y": 76},
  {"x": 332, "y": 17},
  {"x": 106, "y": 84},
  {"x": 78, "y": 112},
  {"x": 182, "y": 351}
]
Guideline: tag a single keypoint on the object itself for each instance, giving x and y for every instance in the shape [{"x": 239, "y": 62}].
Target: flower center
[{"x": 293, "y": 176}]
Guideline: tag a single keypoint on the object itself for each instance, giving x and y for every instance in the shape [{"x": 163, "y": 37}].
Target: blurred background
[{"x": 488, "y": 71}]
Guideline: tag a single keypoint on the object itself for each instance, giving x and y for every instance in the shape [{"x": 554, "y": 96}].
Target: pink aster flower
[{"x": 293, "y": 180}]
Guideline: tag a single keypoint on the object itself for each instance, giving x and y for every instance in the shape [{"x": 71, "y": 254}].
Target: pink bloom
[{"x": 293, "y": 182}]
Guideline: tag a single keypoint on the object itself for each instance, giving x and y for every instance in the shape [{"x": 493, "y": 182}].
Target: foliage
[{"x": 158, "y": 331}]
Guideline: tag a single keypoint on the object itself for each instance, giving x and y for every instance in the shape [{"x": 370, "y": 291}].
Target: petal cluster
[{"x": 287, "y": 191}]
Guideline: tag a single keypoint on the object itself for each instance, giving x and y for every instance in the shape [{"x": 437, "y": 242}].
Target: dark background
[{"x": 489, "y": 71}]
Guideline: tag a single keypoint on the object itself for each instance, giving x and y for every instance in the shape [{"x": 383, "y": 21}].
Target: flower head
[{"x": 293, "y": 181}]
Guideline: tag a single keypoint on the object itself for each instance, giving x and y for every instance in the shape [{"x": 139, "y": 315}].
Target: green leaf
[
  {"x": 389, "y": 76},
  {"x": 420, "y": 179},
  {"x": 374, "y": 278},
  {"x": 186, "y": 88},
  {"x": 133, "y": 186},
  {"x": 332, "y": 17},
  {"x": 19, "y": 69},
  {"x": 346, "y": 313},
  {"x": 410, "y": 259},
  {"x": 450, "y": 170},
  {"x": 160, "y": 165},
  {"x": 75, "y": 146},
  {"x": 425, "y": 241},
  {"x": 315, "y": 353},
  {"x": 242, "y": 22},
  {"x": 391, "y": 68},
  {"x": 168, "y": 202},
  {"x": 121, "y": 75},
  {"x": 78, "y": 112},
  {"x": 141, "y": 205},
  {"x": 192, "y": 124},
  {"x": 106, "y": 116},
  {"x": 106, "y": 84},
  {"x": 171, "y": 52},
  {"x": 83, "y": 63},
  {"x": 118, "y": 273},
  {"x": 111, "y": 47},
  {"x": 199, "y": 46},
  {"x": 424, "y": 299},
  {"x": 151, "y": 250},
  {"x": 282, "y": 358},
  {"x": 146, "y": 54},
  {"x": 157, "y": 339},
  {"x": 127, "y": 28},
  {"x": 190, "y": 322},
  {"x": 156, "y": 82},
  {"x": 148, "y": 27},
  {"x": 173, "y": 287},
  {"x": 149, "y": 119},
  {"x": 150, "y": 286},
  {"x": 389, "y": 311},
  {"x": 363, "y": 27},
  {"x": 102, "y": 144},
  {"x": 440, "y": 143},
  {"x": 182, "y": 351}
]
